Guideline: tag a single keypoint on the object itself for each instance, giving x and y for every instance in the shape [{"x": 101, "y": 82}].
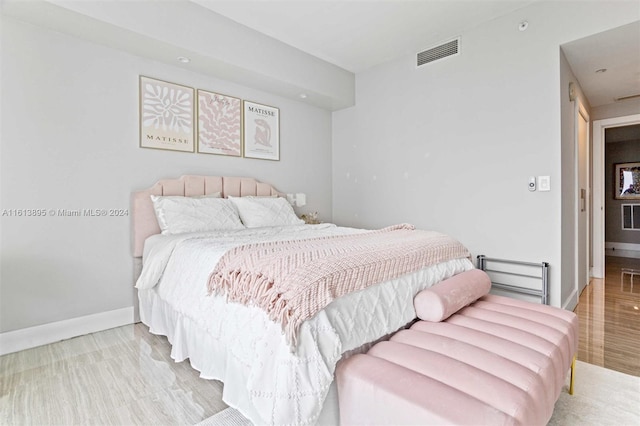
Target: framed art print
[
  {"x": 219, "y": 124},
  {"x": 166, "y": 115},
  {"x": 627, "y": 181},
  {"x": 261, "y": 131}
]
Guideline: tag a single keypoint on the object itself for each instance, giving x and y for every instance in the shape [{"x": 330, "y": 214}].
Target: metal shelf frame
[{"x": 542, "y": 293}]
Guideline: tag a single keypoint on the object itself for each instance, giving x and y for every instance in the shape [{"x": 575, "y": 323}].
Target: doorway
[{"x": 598, "y": 167}]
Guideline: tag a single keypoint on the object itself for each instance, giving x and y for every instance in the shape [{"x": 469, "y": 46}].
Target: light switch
[{"x": 544, "y": 183}]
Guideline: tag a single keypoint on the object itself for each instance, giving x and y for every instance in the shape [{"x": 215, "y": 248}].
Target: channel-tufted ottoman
[{"x": 496, "y": 361}]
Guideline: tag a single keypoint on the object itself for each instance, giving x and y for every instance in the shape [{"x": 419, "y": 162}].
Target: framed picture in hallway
[
  {"x": 627, "y": 181},
  {"x": 261, "y": 131}
]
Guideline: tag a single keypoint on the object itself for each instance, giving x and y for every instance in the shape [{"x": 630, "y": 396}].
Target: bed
[{"x": 266, "y": 376}]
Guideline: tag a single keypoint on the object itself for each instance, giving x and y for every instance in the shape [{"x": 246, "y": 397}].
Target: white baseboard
[
  {"x": 622, "y": 246},
  {"x": 572, "y": 301},
  {"x": 26, "y": 338}
]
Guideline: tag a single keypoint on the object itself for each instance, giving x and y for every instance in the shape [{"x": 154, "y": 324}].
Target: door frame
[
  {"x": 598, "y": 167},
  {"x": 580, "y": 110}
]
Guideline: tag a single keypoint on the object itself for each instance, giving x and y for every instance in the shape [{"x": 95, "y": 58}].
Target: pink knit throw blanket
[{"x": 293, "y": 280}]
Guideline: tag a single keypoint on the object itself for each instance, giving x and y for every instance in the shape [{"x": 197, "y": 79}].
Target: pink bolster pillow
[{"x": 444, "y": 299}]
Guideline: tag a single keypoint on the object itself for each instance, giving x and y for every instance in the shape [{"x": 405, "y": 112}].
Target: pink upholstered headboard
[{"x": 143, "y": 216}]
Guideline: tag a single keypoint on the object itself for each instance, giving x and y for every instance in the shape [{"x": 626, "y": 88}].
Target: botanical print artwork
[
  {"x": 166, "y": 115},
  {"x": 261, "y": 131},
  {"x": 167, "y": 108},
  {"x": 226, "y": 125},
  {"x": 219, "y": 124}
]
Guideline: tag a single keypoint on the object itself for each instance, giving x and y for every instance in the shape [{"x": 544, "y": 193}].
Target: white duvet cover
[{"x": 240, "y": 346}]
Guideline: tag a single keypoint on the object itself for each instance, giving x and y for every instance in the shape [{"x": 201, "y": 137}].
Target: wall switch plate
[
  {"x": 544, "y": 183},
  {"x": 532, "y": 183}
]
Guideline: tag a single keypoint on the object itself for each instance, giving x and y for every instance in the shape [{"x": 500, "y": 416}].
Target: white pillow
[
  {"x": 257, "y": 212},
  {"x": 212, "y": 195},
  {"x": 177, "y": 215}
]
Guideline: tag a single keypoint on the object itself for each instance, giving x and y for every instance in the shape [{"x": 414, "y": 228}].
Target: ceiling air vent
[
  {"x": 624, "y": 98},
  {"x": 445, "y": 50}
]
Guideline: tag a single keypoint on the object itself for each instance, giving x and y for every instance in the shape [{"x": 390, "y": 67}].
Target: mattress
[{"x": 239, "y": 345}]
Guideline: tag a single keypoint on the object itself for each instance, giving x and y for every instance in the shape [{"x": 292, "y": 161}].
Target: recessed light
[
  {"x": 522, "y": 26},
  {"x": 183, "y": 59},
  {"x": 303, "y": 96},
  {"x": 601, "y": 70}
]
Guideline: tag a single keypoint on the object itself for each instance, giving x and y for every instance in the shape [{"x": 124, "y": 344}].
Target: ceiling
[
  {"x": 334, "y": 39},
  {"x": 360, "y": 34},
  {"x": 357, "y": 35},
  {"x": 618, "y": 52}
]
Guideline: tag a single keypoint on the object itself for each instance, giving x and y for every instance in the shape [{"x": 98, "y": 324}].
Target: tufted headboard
[{"x": 144, "y": 222}]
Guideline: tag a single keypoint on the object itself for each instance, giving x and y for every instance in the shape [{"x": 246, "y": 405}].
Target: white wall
[
  {"x": 69, "y": 140},
  {"x": 450, "y": 146}
]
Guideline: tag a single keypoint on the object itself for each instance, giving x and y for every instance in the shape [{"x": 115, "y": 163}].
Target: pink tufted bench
[{"x": 496, "y": 361}]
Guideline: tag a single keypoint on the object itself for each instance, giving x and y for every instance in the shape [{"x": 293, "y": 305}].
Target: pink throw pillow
[{"x": 444, "y": 299}]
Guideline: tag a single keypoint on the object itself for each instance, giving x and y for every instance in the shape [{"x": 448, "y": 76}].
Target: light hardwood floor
[
  {"x": 122, "y": 376},
  {"x": 609, "y": 315},
  {"x": 126, "y": 375}
]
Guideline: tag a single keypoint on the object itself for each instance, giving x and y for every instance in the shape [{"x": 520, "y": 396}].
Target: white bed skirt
[
  {"x": 189, "y": 341},
  {"x": 248, "y": 353}
]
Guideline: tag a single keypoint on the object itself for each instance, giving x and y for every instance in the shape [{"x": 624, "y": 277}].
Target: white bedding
[{"x": 242, "y": 347}]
